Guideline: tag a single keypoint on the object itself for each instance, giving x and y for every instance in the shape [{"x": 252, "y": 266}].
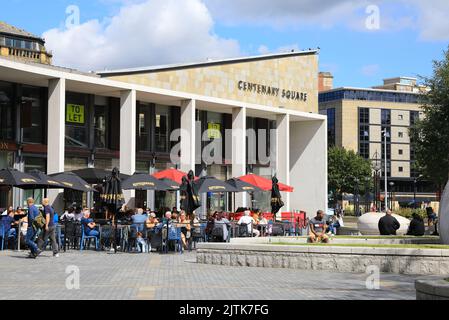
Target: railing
[{"x": 26, "y": 53}]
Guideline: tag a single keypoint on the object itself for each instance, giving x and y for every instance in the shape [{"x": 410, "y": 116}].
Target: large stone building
[
  {"x": 21, "y": 45},
  {"x": 357, "y": 118},
  {"x": 56, "y": 119}
]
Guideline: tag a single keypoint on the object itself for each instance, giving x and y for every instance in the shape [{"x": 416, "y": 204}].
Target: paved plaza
[{"x": 177, "y": 277}]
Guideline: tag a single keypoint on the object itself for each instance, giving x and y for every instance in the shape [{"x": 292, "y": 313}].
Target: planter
[
  {"x": 432, "y": 289},
  {"x": 368, "y": 224}
]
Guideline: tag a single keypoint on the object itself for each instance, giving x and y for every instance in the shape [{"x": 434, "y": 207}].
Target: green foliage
[
  {"x": 408, "y": 212},
  {"x": 430, "y": 136},
  {"x": 347, "y": 167}
]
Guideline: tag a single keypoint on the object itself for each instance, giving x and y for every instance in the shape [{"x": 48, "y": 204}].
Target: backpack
[{"x": 39, "y": 222}]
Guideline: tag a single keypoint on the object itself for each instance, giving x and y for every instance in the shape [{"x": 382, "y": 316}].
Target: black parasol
[
  {"x": 276, "y": 199},
  {"x": 243, "y": 186},
  {"x": 71, "y": 181},
  {"x": 213, "y": 185},
  {"x": 46, "y": 182},
  {"x": 112, "y": 195},
  {"x": 144, "y": 182},
  {"x": 96, "y": 176},
  {"x": 190, "y": 201},
  {"x": 14, "y": 178}
]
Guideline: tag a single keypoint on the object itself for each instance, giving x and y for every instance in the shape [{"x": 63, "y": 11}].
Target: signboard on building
[
  {"x": 75, "y": 114},
  {"x": 214, "y": 130}
]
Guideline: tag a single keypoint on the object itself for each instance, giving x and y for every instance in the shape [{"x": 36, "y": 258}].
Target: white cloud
[
  {"x": 146, "y": 33},
  {"x": 263, "y": 49},
  {"x": 282, "y": 13},
  {"x": 433, "y": 20}
]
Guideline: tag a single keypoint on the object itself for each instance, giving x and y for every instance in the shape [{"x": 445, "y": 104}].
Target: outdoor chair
[
  {"x": 198, "y": 235},
  {"x": 5, "y": 238},
  {"x": 174, "y": 234},
  {"x": 131, "y": 243},
  {"x": 85, "y": 238}
]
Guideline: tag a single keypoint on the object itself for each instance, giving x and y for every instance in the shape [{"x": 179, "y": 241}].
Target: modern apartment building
[{"x": 357, "y": 118}]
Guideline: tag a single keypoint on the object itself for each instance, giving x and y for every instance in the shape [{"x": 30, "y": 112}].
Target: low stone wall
[
  {"x": 335, "y": 259},
  {"x": 367, "y": 240},
  {"x": 432, "y": 289}
]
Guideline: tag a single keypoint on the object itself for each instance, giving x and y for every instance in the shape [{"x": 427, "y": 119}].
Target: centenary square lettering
[{"x": 272, "y": 91}]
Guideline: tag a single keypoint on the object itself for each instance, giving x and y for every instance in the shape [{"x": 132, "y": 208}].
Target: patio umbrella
[
  {"x": 112, "y": 191},
  {"x": 172, "y": 174},
  {"x": 264, "y": 183},
  {"x": 14, "y": 178},
  {"x": 47, "y": 181},
  {"x": 71, "y": 181},
  {"x": 96, "y": 176},
  {"x": 276, "y": 199},
  {"x": 190, "y": 201},
  {"x": 144, "y": 182},
  {"x": 113, "y": 198},
  {"x": 174, "y": 186},
  {"x": 242, "y": 186},
  {"x": 213, "y": 185}
]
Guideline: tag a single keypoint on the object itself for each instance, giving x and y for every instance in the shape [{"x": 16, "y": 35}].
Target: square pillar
[
  {"x": 188, "y": 133},
  {"x": 283, "y": 155},
  {"x": 56, "y": 135},
  {"x": 308, "y": 165},
  {"x": 239, "y": 152},
  {"x": 128, "y": 113}
]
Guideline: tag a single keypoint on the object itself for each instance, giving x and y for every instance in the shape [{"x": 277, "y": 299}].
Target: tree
[
  {"x": 430, "y": 135},
  {"x": 348, "y": 171}
]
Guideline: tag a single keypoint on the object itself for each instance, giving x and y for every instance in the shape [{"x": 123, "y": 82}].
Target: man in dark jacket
[
  {"x": 416, "y": 227},
  {"x": 388, "y": 225}
]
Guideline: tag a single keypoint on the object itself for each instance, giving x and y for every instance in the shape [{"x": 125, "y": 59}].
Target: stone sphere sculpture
[
  {"x": 368, "y": 224},
  {"x": 444, "y": 216}
]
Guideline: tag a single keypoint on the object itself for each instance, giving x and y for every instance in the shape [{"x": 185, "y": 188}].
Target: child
[{"x": 141, "y": 243}]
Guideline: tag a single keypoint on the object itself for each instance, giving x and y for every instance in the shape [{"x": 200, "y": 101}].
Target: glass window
[
  {"x": 364, "y": 115},
  {"x": 401, "y": 169},
  {"x": 364, "y": 133},
  {"x": 76, "y": 120},
  {"x": 6, "y": 111},
  {"x": 401, "y": 152},
  {"x": 401, "y": 134},
  {"x": 34, "y": 163},
  {"x": 32, "y": 113},
  {"x": 331, "y": 126},
  {"x": 162, "y": 129},
  {"x": 9, "y": 42},
  {"x": 143, "y": 128},
  {"x": 386, "y": 117},
  {"x": 100, "y": 127},
  {"x": 73, "y": 163},
  {"x": 364, "y": 150},
  {"x": 6, "y": 161}
]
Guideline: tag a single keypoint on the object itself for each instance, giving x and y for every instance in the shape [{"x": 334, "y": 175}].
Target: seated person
[
  {"x": 69, "y": 215},
  {"x": 431, "y": 216},
  {"x": 317, "y": 226},
  {"x": 139, "y": 219},
  {"x": 141, "y": 243},
  {"x": 263, "y": 221},
  {"x": 223, "y": 223},
  {"x": 89, "y": 225},
  {"x": 416, "y": 227},
  {"x": 185, "y": 226},
  {"x": 388, "y": 225},
  {"x": 249, "y": 222},
  {"x": 7, "y": 222},
  {"x": 336, "y": 222},
  {"x": 152, "y": 221}
]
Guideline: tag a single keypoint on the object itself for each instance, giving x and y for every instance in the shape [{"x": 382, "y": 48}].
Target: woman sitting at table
[
  {"x": 185, "y": 226},
  {"x": 89, "y": 225},
  {"x": 152, "y": 221}
]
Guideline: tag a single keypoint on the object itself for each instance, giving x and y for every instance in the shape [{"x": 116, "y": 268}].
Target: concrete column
[
  {"x": 188, "y": 133},
  {"x": 308, "y": 165},
  {"x": 128, "y": 138},
  {"x": 56, "y": 136},
  {"x": 239, "y": 152},
  {"x": 283, "y": 156}
]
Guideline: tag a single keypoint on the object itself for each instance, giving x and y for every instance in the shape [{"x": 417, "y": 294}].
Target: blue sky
[{"x": 129, "y": 33}]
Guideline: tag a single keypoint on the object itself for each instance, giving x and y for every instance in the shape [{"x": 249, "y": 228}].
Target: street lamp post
[
  {"x": 391, "y": 195},
  {"x": 385, "y": 134}
]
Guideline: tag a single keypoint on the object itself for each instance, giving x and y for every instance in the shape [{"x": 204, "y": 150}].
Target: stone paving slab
[{"x": 177, "y": 277}]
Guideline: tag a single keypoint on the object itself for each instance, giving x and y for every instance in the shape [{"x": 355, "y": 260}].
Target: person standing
[
  {"x": 33, "y": 212},
  {"x": 49, "y": 231},
  {"x": 388, "y": 225}
]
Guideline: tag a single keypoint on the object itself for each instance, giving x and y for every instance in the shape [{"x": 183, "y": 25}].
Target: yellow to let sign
[
  {"x": 75, "y": 114},
  {"x": 214, "y": 130}
]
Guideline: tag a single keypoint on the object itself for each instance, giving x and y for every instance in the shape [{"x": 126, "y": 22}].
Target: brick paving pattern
[{"x": 177, "y": 277}]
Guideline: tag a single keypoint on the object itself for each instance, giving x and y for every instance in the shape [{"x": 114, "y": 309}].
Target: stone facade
[
  {"x": 335, "y": 259},
  {"x": 291, "y": 73}
]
